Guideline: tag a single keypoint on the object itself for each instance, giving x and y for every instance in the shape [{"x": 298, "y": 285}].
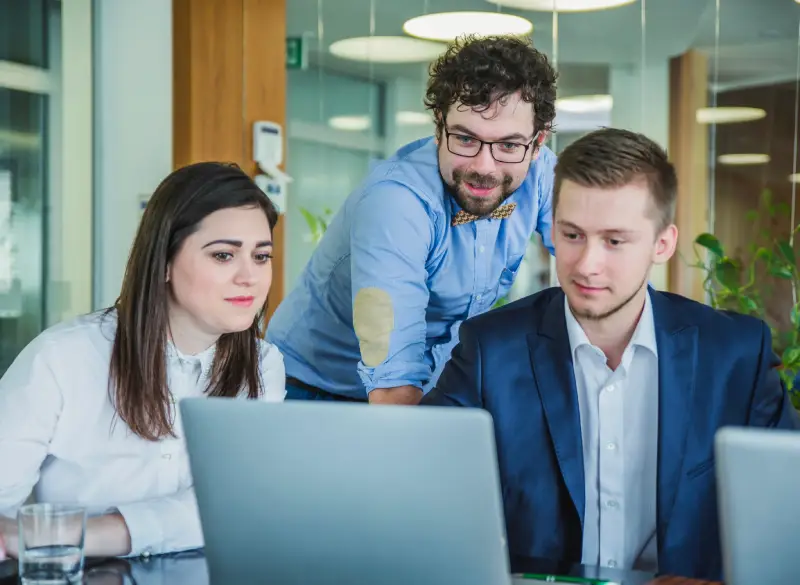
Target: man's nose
[{"x": 484, "y": 162}]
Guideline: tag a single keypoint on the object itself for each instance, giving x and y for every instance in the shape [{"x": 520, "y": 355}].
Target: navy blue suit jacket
[{"x": 715, "y": 369}]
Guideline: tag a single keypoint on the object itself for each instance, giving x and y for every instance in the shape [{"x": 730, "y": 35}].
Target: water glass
[{"x": 51, "y": 544}]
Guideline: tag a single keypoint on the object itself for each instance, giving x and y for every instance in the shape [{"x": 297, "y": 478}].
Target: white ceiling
[{"x": 758, "y": 39}]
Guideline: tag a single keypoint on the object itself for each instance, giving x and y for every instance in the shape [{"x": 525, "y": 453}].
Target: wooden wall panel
[
  {"x": 265, "y": 99},
  {"x": 688, "y": 150},
  {"x": 229, "y": 71}
]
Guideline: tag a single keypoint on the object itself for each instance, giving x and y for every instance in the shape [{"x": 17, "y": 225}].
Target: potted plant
[{"x": 763, "y": 282}]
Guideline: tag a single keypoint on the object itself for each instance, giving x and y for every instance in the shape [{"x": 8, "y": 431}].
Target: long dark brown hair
[{"x": 138, "y": 371}]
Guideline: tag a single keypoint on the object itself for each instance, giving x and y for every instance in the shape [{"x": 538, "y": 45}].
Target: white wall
[{"x": 133, "y": 126}]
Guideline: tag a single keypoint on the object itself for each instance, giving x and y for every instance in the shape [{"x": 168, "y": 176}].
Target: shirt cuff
[
  {"x": 394, "y": 373},
  {"x": 144, "y": 527}
]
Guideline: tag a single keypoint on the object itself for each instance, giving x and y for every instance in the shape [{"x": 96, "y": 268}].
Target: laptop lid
[
  {"x": 758, "y": 477},
  {"x": 319, "y": 493}
]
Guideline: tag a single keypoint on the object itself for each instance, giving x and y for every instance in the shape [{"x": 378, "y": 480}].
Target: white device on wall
[{"x": 268, "y": 154}]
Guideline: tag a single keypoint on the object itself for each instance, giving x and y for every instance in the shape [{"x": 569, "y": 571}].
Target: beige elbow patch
[{"x": 373, "y": 321}]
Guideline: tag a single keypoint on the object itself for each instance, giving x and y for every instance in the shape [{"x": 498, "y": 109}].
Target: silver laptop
[
  {"x": 758, "y": 478},
  {"x": 325, "y": 493}
]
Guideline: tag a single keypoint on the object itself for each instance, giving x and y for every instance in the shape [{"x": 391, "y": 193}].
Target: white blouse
[{"x": 60, "y": 438}]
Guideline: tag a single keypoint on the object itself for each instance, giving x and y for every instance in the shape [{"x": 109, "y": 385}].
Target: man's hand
[
  {"x": 9, "y": 543},
  {"x": 410, "y": 395}
]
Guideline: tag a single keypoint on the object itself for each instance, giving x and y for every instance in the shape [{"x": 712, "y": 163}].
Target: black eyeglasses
[{"x": 502, "y": 151}]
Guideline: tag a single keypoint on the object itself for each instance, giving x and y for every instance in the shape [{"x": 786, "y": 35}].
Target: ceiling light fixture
[
  {"x": 743, "y": 159},
  {"x": 582, "y": 104},
  {"x": 350, "y": 123},
  {"x": 410, "y": 118},
  {"x": 386, "y": 49},
  {"x": 728, "y": 115},
  {"x": 563, "y": 5},
  {"x": 447, "y": 26}
]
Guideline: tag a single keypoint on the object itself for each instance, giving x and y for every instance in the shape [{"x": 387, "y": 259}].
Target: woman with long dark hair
[{"x": 88, "y": 410}]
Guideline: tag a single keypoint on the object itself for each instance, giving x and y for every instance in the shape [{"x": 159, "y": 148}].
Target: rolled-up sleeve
[
  {"x": 544, "y": 185},
  {"x": 30, "y": 406},
  {"x": 391, "y": 236}
]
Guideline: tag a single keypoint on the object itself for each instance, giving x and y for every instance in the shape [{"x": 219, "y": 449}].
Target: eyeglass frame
[{"x": 491, "y": 144}]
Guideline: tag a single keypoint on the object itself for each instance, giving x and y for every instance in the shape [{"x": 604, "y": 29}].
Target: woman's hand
[
  {"x": 9, "y": 543},
  {"x": 107, "y": 536}
]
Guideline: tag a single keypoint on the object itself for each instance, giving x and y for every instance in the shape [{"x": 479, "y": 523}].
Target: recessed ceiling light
[
  {"x": 350, "y": 123},
  {"x": 743, "y": 159},
  {"x": 581, "y": 104},
  {"x": 728, "y": 115},
  {"x": 386, "y": 49},
  {"x": 446, "y": 26},
  {"x": 409, "y": 118},
  {"x": 563, "y": 5}
]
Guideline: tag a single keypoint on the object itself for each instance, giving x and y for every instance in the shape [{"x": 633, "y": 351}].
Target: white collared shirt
[
  {"x": 619, "y": 430},
  {"x": 59, "y": 435}
]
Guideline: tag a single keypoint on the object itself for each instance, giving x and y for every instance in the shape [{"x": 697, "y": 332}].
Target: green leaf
[
  {"x": 310, "y": 218},
  {"x": 787, "y": 252},
  {"x": 727, "y": 274},
  {"x": 747, "y": 304},
  {"x": 780, "y": 271},
  {"x": 763, "y": 254},
  {"x": 795, "y": 316},
  {"x": 766, "y": 196},
  {"x": 711, "y": 243},
  {"x": 791, "y": 357}
]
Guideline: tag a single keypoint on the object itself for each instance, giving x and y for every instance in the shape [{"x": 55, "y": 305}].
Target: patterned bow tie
[{"x": 501, "y": 212}]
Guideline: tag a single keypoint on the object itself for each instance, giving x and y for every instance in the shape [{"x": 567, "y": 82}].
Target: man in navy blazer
[{"x": 605, "y": 393}]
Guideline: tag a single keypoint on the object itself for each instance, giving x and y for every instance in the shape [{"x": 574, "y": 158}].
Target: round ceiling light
[
  {"x": 350, "y": 123},
  {"x": 447, "y": 26},
  {"x": 743, "y": 159},
  {"x": 729, "y": 115},
  {"x": 563, "y": 5},
  {"x": 582, "y": 104},
  {"x": 386, "y": 49},
  {"x": 410, "y": 118}
]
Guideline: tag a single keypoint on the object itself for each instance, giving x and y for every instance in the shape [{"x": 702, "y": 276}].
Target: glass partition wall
[
  {"x": 40, "y": 262},
  {"x": 714, "y": 81}
]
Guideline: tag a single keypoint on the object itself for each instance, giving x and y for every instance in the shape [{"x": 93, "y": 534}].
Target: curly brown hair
[{"x": 479, "y": 71}]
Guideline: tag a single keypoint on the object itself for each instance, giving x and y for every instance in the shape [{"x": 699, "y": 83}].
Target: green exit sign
[{"x": 296, "y": 53}]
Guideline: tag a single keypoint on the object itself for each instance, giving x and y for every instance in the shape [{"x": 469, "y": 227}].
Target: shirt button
[
  {"x": 611, "y": 446},
  {"x": 612, "y": 504},
  {"x": 166, "y": 456},
  {"x": 481, "y": 249},
  {"x": 610, "y": 388},
  {"x": 478, "y": 297},
  {"x": 612, "y": 563}
]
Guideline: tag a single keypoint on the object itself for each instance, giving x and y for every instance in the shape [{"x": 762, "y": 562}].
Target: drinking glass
[{"x": 51, "y": 544}]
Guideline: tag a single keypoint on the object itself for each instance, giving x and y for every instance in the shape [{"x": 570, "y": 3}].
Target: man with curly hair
[{"x": 434, "y": 235}]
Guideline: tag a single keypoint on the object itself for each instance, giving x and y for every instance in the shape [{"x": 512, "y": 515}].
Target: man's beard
[
  {"x": 593, "y": 316},
  {"x": 480, "y": 206}
]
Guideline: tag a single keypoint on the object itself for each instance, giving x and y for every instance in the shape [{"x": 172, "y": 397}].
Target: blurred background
[{"x": 99, "y": 101}]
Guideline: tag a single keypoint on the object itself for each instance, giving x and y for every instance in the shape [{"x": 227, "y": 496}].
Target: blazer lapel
[
  {"x": 677, "y": 363},
  {"x": 551, "y": 361}
]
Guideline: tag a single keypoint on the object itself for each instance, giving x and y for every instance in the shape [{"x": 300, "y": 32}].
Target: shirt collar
[
  {"x": 205, "y": 359},
  {"x": 643, "y": 336}
]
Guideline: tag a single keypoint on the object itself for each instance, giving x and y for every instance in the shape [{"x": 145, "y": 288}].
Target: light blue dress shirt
[{"x": 394, "y": 234}]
